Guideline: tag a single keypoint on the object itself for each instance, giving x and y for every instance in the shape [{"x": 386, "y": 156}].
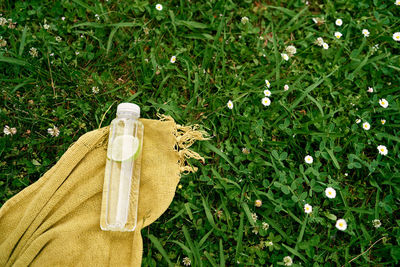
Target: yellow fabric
[{"x": 56, "y": 220}]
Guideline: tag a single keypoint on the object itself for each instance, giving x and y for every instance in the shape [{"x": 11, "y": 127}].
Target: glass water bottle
[{"x": 122, "y": 173}]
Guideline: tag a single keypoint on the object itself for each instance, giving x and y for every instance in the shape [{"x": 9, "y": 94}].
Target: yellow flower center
[
  {"x": 382, "y": 149},
  {"x": 329, "y": 193},
  {"x": 341, "y": 224}
]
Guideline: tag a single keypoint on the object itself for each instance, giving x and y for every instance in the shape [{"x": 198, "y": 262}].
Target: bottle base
[{"x": 116, "y": 228}]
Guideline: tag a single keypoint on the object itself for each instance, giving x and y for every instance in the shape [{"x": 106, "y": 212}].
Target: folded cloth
[{"x": 56, "y": 220}]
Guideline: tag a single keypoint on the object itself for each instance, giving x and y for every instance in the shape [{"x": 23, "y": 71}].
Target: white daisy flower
[
  {"x": 341, "y": 224},
  {"x": 258, "y": 203},
  {"x": 265, "y": 226},
  {"x": 308, "y": 159},
  {"x": 159, "y": 7},
  {"x": 95, "y": 90},
  {"x": 58, "y": 39},
  {"x": 3, "y": 21},
  {"x": 62, "y": 18},
  {"x": 397, "y": 3},
  {"x": 286, "y": 87},
  {"x": 365, "y": 32},
  {"x": 266, "y": 101},
  {"x": 46, "y": 26},
  {"x": 382, "y": 150},
  {"x": 287, "y": 261},
  {"x": 244, "y": 20},
  {"x": 186, "y": 261},
  {"x": 307, "y": 208},
  {"x": 245, "y": 151},
  {"x": 53, "y": 131},
  {"x": 173, "y": 59},
  {"x": 76, "y": 52},
  {"x": 320, "y": 41},
  {"x": 254, "y": 216},
  {"x": 376, "y": 223},
  {"x": 325, "y": 46},
  {"x": 383, "y": 121},
  {"x": 339, "y": 22},
  {"x": 267, "y": 92},
  {"x": 291, "y": 50},
  {"x": 346, "y": 174},
  {"x": 366, "y": 126},
  {"x": 338, "y": 35},
  {"x": 358, "y": 121},
  {"x": 384, "y": 103},
  {"x": 230, "y": 104},
  {"x": 330, "y": 192},
  {"x": 3, "y": 42},
  {"x": 370, "y": 90},
  {"x": 9, "y": 131},
  {"x": 33, "y": 52},
  {"x": 396, "y": 36},
  {"x": 285, "y": 56},
  {"x": 267, "y": 83}
]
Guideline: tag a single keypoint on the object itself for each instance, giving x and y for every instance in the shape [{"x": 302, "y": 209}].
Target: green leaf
[
  {"x": 240, "y": 235},
  {"x": 23, "y": 39},
  {"x": 160, "y": 248},
  {"x": 335, "y": 162},
  {"x": 330, "y": 216},
  {"x": 295, "y": 252},
  {"x": 221, "y": 254},
  {"x": 191, "y": 24},
  {"x": 209, "y": 215},
  {"x": 14, "y": 61},
  {"x": 222, "y": 155},
  {"x": 248, "y": 213}
]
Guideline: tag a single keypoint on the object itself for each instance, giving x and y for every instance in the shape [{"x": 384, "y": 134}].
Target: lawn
[{"x": 302, "y": 101}]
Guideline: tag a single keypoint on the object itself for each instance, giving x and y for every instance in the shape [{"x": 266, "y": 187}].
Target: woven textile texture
[{"x": 56, "y": 220}]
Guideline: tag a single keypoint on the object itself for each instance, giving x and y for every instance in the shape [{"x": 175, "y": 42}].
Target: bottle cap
[{"x": 129, "y": 108}]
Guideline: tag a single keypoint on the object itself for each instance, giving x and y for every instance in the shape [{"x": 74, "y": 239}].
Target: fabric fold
[{"x": 56, "y": 220}]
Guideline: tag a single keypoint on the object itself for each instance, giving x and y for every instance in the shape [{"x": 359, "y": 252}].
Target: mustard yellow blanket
[{"x": 56, "y": 220}]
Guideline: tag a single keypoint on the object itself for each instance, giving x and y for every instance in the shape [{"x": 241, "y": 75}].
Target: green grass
[{"x": 126, "y": 54}]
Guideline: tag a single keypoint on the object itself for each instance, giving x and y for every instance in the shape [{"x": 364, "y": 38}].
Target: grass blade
[
  {"x": 210, "y": 259},
  {"x": 295, "y": 252},
  {"x": 221, "y": 254},
  {"x": 14, "y": 61},
  {"x": 22, "y": 44},
  {"x": 240, "y": 237},
  {"x": 160, "y": 248},
  {"x": 219, "y": 153},
  {"x": 335, "y": 162},
  {"x": 308, "y": 90},
  {"x": 204, "y": 238},
  {"x": 109, "y": 42},
  {"x": 192, "y": 247},
  {"x": 209, "y": 216}
]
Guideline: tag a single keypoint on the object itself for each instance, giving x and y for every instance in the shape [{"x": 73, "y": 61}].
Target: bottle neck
[{"x": 127, "y": 115}]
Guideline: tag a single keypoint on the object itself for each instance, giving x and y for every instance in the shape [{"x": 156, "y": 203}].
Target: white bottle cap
[{"x": 129, "y": 108}]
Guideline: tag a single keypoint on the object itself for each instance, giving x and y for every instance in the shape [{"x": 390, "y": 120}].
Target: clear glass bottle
[{"x": 119, "y": 206}]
